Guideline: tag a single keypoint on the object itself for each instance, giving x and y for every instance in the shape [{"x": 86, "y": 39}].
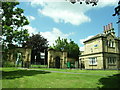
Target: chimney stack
[{"x": 108, "y": 28}]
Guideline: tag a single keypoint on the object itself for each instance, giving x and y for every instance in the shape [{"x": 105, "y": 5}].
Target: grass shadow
[
  {"x": 110, "y": 82},
  {"x": 20, "y": 73}
]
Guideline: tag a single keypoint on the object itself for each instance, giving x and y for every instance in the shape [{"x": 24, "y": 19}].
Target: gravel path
[{"x": 66, "y": 72}]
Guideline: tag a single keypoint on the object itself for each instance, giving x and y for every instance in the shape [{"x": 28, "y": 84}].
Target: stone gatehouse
[{"x": 57, "y": 59}]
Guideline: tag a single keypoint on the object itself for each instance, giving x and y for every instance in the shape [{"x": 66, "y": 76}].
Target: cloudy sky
[{"x": 72, "y": 21}]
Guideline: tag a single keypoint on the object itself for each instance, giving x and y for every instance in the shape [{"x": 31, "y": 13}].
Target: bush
[{"x": 8, "y": 64}]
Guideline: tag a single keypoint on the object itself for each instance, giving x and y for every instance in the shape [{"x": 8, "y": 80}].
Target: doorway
[{"x": 57, "y": 62}]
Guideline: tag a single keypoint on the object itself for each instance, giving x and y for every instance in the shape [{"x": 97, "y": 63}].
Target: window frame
[
  {"x": 111, "y": 60},
  {"x": 93, "y": 61}
]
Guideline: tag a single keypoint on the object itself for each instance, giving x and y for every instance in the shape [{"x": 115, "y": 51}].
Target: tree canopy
[
  {"x": 13, "y": 21},
  {"x": 71, "y": 47},
  {"x": 37, "y": 42}
]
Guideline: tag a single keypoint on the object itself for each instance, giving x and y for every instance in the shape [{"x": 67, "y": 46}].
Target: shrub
[{"x": 8, "y": 64}]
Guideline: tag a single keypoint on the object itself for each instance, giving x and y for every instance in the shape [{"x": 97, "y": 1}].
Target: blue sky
[{"x": 72, "y": 21}]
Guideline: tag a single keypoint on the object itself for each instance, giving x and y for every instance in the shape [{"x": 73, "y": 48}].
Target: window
[
  {"x": 93, "y": 60},
  {"x": 111, "y": 60},
  {"x": 91, "y": 50},
  {"x": 107, "y": 42},
  {"x": 110, "y": 43}
]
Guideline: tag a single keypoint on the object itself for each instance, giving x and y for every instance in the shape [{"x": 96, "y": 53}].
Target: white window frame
[{"x": 93, "y": 60}]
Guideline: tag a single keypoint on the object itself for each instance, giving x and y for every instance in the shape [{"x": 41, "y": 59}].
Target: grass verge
[{"x": 19, "y": 78}]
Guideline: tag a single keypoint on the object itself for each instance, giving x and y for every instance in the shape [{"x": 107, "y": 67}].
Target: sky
[{"x": 72, "y": 21}]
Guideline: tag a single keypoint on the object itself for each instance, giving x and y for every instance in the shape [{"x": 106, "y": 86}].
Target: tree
[
  {"x": 38, "y": 44},
  {"x": 87, "y": 2},
  {"x": 12, "y": 24},
  {"x": 13, "y": 21},
  {"x": 117, "y": 11},
  {"x": 71, "y": 47}
]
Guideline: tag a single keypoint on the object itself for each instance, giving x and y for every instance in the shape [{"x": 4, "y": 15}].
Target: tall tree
[
  {"x": 13, "y": 21},
  {"x": 38, "y": 44},
  {"x": 71, "y": 47}
]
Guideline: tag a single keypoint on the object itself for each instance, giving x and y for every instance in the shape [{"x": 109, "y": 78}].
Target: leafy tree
[
  {"x": 13, "y": 21},
  {"x": 71, "y": 47},
  {"x": 38, "y": 44},
  {"x": 11, "y": 25},
  {"x": 117, "y": 11},
  {"x": 87, "y": 2}
]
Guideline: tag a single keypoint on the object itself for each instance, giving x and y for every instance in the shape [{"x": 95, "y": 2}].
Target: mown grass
[
  {"x": 38, "y": 66},
  {"x": 101, "y": 72},
  {"x": 19, "y": 78}
]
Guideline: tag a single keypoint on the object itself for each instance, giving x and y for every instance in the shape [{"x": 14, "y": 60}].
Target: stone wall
[{"x": 25, "y": 56}]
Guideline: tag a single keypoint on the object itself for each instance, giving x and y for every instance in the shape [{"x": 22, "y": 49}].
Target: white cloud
[
  {"x": 65, "y": 12},
  {"x": 69, "y": 13},
  {"x": 31, "y": 30},
  {"x": 51, "y": 36},
  {"x": 82, "y": 40},
  {"x": 30, "y": 18},
  {"x": 103, "y": 3},
  {"x": 60, "y": 16}
]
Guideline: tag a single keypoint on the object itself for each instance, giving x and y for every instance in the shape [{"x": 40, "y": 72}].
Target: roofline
[{"x": 92, "y": 39}]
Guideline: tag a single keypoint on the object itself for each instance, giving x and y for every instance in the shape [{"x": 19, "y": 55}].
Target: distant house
[{"x": 101, "y": 51}]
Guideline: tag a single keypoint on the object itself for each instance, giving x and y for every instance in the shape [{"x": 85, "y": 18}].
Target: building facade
[
  {"x": 101, "y": 51},
  {"x": 20, "y": 56},
  {"x": 57, "y": 59}
]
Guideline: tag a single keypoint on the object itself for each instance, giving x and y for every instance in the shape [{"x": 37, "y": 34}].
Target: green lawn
[{"x": 19, "y": 78}]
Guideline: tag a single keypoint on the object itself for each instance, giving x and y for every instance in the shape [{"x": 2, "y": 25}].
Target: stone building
[
  {"x": 57, "y": 59},
  {"x": 20, "y": 56},
  {"x": 101, "y": 51}
]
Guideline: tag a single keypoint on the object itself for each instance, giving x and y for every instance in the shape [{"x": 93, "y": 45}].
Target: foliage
[
  {"x": 37, "y": 42},
  {"x": 87, "y": 2},
  {"x": 8, "y": 64},
  {"x": 13, "y": 21},
  {"x": 71, "y": 47},
  {"x": 117, "y": 11},
  {"x": 13, "y": 33}
]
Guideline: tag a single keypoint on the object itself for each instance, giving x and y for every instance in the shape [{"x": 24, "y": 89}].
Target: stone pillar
[
  {"x": 64, "y": 59},
  {"x": 49, "y": 58},
  {"x": 106, "y": 61},
  {"x": 27, "y": 58}
]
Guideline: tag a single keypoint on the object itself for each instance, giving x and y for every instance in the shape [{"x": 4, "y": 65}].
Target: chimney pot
[{"x": 111, "y": 25}]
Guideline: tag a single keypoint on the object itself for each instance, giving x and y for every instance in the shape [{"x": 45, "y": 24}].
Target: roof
[
  {"x": 99, "y": 36},
  {"x": 95, "y": 37}
]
